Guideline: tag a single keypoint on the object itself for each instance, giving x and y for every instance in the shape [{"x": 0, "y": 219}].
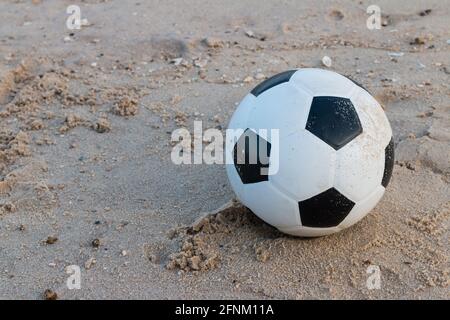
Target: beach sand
[{"x": 85, "y": 139}]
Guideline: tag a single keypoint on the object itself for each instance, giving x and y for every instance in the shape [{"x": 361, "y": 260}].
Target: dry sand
[{"x": 85, "y": 171}]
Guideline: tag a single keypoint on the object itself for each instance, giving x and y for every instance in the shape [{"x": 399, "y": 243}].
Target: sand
[{"x": 85, "y": 172}]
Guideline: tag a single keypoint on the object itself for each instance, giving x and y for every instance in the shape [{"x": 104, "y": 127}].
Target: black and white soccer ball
[{"x": 335, "y": 152}]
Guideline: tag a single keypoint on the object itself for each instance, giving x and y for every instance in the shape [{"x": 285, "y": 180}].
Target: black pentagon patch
[
  {"x": 247, "y": 154},
  {"x": 388, "y": 163},
  {"x": 333, "y": 120},
  {"x": 325, "y": 210},
  {"x": 272, "y": 82}
]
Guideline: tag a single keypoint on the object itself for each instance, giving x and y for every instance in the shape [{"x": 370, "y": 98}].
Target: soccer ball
[{"x": 335, "y": 152}]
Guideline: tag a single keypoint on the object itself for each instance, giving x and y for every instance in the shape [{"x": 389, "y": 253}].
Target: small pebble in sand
[
  {"x": 202, "y": 74},
  {"x": 385, "y": 21},
  {"x": 124, "y": 253},
  {"x": 425, "y": 114},
  {"x": 326, "y": 61},
  {"x": 418, "y": 41},
  {"x": 248, "y": 79},
  {"x": 421, "y": 65},
  {"x": 396, "y": 54},
  {"x": 286, "y": 28},
  {"x": 153, "y": 258},
  {"x": 410, "y": 166},
  {"x": 96, "y": 243},
  {"x": 94, "y": 64},
  {"x": 200, "y": 63},
  {"x": 258, "y": 36},
  {"x": 90, "y": 263},
  {"x": 50, "y": 295},
  {"x": 51, "y": 240},
  {"x": 336, "y": 15},
  {"x": 213, "y": 42},
  {"x": 102, "y": 125},
  {"x": 250, "y": 33},
  {"x": 176, "y": 61},
  {"x": 260, "y": 76},
  {"x": 425, "y": 12}
]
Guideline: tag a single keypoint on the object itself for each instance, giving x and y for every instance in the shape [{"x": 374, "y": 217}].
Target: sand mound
[{"x": 198, "y": 252}]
